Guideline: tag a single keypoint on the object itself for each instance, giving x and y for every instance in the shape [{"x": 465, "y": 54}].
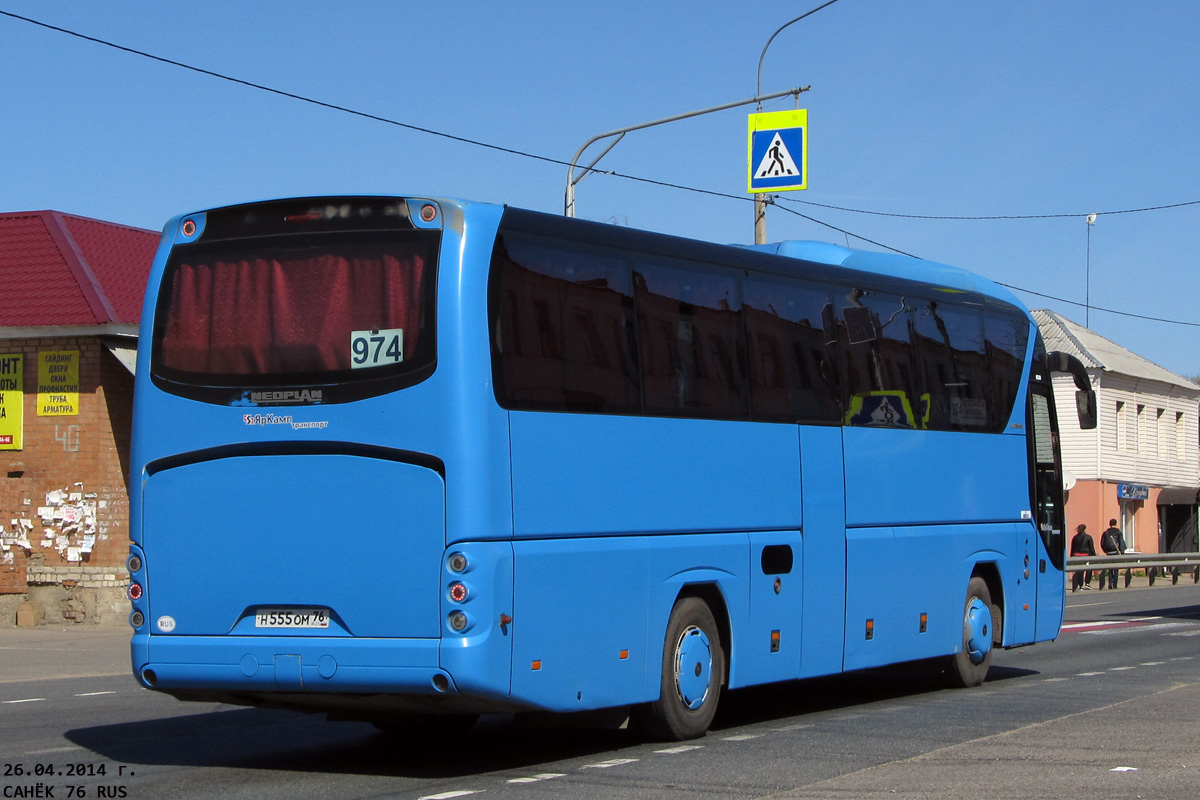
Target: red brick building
[{"x": 70, "y": 300}]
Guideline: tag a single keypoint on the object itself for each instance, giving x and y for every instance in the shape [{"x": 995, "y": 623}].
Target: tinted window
[
  {"x": 563, "y": 336},
  {"x": 1007, "y": 339},
  {"x": 950, "y": 351},
  {"x": 791, "y": 351},
  {"x": 610, "y": 328},
  {"x": 879, "y": 373},
  {"x": 689, "y": 327}
]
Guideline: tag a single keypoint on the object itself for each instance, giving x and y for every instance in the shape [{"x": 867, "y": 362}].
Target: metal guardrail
[{"x": 1154, "y": 564}]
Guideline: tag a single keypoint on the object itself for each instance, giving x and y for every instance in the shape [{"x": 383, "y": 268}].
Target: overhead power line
[
  {"x": 994, "y": 217},
  {"x": 650, "y": 181}
]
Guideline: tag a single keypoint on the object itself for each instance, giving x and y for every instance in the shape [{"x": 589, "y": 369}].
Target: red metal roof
[{"x": 60, "y": 269}]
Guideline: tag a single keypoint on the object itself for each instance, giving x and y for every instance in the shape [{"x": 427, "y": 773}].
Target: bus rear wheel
[
  {"x": 693, "y": 669},
  {"x": 969, "y": 666}
]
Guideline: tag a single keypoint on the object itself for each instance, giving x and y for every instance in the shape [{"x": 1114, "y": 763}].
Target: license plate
[{"x": 291, "y": 618}]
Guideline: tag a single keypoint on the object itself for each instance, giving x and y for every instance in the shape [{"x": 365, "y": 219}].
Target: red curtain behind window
[{"x": 279, "y": 312}]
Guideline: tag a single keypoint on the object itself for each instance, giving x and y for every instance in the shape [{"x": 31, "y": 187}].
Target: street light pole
[
  {"x": 619, "y": 133},
  {"x": 760, "y": 202}
]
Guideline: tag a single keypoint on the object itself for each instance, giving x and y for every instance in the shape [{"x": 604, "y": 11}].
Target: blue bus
[{"x": 411, "y": 460}]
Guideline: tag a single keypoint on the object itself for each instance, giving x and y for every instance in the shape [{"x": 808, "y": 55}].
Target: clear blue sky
[{"x": 928, "y": 107}]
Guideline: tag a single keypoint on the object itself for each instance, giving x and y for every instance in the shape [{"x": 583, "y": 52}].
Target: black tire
[
  {"x": 414, "y": 726},
  {"x": 969, "y": 666},
  {"x": 693, "y": 670}
]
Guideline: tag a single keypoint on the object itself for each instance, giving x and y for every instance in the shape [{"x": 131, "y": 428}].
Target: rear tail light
[
  {"x": 458, "y": 621},
  {"x": 458, "y": 592},
  {"x": 135, "y": 591}
]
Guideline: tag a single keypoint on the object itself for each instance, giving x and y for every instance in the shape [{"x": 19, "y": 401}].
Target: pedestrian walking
[
  {"x": 1082, "y": 545},
  {"x": 1112, "y": 542}
]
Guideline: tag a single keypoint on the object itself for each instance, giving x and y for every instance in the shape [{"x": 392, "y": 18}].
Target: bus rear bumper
[{"x": 291, "y": 664}]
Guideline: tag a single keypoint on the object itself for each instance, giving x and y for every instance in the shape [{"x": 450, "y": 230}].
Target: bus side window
[
  {"x": 950, "y": 349},
  {"x": 1007, "y": 333},
  {"x": 879, "y": 366},
  {"x": 565, "y": 329},
  {"x": 792, "y": 368},
  {"x": 689, "y": 326}
]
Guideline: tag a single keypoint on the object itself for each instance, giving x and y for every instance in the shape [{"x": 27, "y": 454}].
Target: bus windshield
[{"x": 297, "y": 311}]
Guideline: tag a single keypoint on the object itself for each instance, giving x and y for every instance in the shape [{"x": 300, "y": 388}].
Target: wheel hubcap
[
  {"x": 977, "y": 629},
  {"x": 693, "y": 667}
]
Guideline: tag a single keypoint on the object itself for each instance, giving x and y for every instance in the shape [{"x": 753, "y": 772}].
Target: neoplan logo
[{"x": 285, "y": 396}]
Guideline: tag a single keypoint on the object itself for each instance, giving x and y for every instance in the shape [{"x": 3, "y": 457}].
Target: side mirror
[{"x": 1085, "y": 407}]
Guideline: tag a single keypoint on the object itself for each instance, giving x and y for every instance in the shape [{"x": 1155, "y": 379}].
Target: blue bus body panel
[
  {"x": 1051, "y": 592},
  {"x": 905, "y": 477},
  {"x": 231, "y": 535},
  {"x": 591, "y": 614},
  {"x": 580, "y": 474},
  {"x": 824, "y": 570}
]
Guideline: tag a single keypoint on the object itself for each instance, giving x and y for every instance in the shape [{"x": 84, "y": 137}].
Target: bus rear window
[{"x": 351, "y": 314}]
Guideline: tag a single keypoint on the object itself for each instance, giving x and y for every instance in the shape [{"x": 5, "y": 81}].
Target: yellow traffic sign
[{"x": 778, "y": 151}]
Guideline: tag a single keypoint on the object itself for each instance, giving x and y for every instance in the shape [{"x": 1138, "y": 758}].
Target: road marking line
[
  {"x": 544, "y": 776},
  {"x": 26, "y": 700},
  {"x": 1152, "y": 663},
  {"x": 449, "y": 795},
  {"x": 1119, "y": 669},
  {"x": 741, "y": 737},
  {"x": 616, "y": 762},
  {"x": 1088, "y": 674},
  {"x": 93, "y": 694},
  {"x": 683, "y": 748},
  {"x": 1055, "y": 680}
]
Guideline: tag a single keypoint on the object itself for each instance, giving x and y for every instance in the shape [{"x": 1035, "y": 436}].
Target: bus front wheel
[
  {"x": 693, "y": 669},
  {"x": 969, "y": 666}
]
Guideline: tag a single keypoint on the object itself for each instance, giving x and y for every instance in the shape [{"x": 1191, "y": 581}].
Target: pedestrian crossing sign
[{"x": 778, "y": 146}]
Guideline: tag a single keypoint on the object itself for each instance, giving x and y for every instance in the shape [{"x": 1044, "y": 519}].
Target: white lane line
[
  {"x": 92, "y": 694},
  {"x": 26, "y": 700},
  {"x": 1152, "y": 663},
  {"x": 1119, "y": 669},
  {"x": 741, "y": 737},
  {"x": 798, "y": 727},
  {"x": 683, "y": 748},
  {"x": 543, "y": 776},
  {"x": 615, "y": 762},
  {"x": 1088, "y": 674},
  {"x": 1055, "y": 680},
  {"x": 449, "y": 795},
  {"x": 52, "y": 750}
]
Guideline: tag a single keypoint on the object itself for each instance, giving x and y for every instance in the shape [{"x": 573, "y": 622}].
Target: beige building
[{"x": 1141, "y": 464}]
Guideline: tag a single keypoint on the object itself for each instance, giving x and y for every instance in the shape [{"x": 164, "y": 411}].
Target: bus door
[{"x": 1050, "y": 539}]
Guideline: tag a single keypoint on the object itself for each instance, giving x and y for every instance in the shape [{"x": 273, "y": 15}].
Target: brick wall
[{"x": 64, "y": 501}]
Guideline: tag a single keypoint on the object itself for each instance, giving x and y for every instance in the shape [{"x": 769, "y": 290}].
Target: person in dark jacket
[
  {"x": 1082, "y": 545},
  {"x": 1113, "y": 544}
]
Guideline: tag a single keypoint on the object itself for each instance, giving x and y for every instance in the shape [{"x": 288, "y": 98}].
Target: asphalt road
[{"x": 1109, "y": 710}]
